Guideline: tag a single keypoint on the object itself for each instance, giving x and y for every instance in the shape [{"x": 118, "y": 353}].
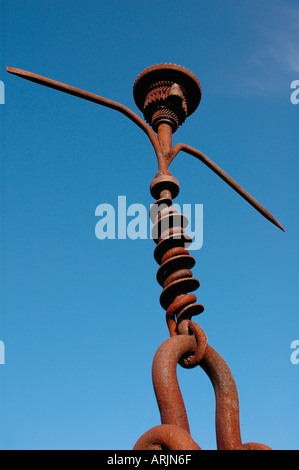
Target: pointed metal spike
[{"x": 225, "y": 177}]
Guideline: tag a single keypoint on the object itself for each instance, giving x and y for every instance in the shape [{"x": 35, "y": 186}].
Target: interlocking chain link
[{"x": 188, "y": 344}]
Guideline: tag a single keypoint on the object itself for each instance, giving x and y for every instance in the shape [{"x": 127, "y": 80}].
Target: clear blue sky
[{"x": 81, "y": 318}]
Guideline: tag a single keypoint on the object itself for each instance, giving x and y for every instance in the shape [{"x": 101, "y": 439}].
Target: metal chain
[{"x": 188, "y": 344}]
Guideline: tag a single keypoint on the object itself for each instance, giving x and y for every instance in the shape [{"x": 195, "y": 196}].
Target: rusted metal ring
[
  {"x": 166, "y": 437},
  {"x": 254, "y": 446},
  {"x": 189, "y": 327}
]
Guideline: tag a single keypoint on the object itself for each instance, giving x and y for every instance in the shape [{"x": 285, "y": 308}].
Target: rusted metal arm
[
  {"x": 162, "y": 143},
  {"x": 48, "y": 82},
  {"x": 219, "y": 172}
]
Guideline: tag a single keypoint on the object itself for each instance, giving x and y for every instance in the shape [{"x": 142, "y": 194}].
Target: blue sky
[{"x": 80, "y": 317}]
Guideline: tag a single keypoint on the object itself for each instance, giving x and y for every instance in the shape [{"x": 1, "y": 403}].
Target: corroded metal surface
[
  {"x": 164, "y": 151},
  {"x": 195, "y": 350},
  {"x": 188, "y": 344},
  {"x": 174, "y": 274},
  {"x": 167, "y": 94},
  {"x": 166, "y": 437}
]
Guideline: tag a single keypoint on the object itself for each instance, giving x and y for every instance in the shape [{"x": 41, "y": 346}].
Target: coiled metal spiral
[{"x": 171, "y": 253}]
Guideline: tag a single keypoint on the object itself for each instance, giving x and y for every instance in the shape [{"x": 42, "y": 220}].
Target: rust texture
[
  {"x": 171, "y": 253},
  {"x": 162, "y": 147},
  {"x": 194, "y": 349},
  {"x": 167, "y": 94}
]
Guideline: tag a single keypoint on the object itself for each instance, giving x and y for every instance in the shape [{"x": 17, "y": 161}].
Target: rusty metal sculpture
[{"x": 167, "y": 94}]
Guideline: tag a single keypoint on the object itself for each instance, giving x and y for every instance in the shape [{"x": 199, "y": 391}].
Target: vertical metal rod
[{"x": 165, "y": 137}]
